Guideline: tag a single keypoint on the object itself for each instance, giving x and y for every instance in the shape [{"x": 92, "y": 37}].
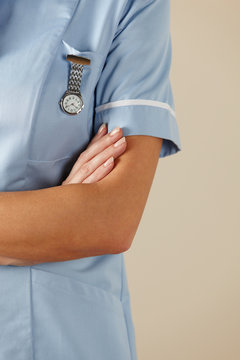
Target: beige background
[{"x": 184, "y": 264}]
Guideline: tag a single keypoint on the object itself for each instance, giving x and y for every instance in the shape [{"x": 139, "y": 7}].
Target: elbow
[
  {"x": 120, "y": 248},
  {"x": 123, "y": 241},
  {"x": 124, "y": 232}
]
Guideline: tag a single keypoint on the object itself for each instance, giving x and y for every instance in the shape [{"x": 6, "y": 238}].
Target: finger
[
  {"x": 88, "y": 168},
  {"x": 101, "y": 132},
  {"x": 101, "y": 171},
  {"x": 97, "y": 147}
]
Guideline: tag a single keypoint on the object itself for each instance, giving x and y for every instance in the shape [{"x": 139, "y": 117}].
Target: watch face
[{"x": 72, "y": 103}]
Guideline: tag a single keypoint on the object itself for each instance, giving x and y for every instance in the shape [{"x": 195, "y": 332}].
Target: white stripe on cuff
[{"x": 135, "y": 102}]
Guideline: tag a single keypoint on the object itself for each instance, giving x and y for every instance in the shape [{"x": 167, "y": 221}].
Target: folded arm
[{"x": 80, "y": 220}]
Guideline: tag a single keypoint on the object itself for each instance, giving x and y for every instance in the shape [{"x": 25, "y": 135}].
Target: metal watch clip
[
  {"x": 78, "y": 60},
  {"x": 71, "y": 102}
]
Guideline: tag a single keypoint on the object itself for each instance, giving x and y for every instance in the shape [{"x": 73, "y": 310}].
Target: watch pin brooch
[{"x": 71, "y": 102}]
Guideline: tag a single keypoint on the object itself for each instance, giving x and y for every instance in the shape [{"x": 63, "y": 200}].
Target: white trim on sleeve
[{"x": 128, "y": 102}]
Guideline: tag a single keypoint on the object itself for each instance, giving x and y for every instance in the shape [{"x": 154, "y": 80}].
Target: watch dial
[{"x": 72, "y": 103}]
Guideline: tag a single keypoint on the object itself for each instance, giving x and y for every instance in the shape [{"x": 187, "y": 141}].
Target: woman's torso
[{"x": 72, "y": 308}]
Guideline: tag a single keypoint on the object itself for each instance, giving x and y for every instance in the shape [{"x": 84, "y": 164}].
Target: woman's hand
[{"x": 90, "y": 165}]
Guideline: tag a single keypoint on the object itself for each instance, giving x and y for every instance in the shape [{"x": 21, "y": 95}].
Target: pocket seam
[
  {"x": 49, "y": 161},
  {"x": 43, "y": 165},
  {"x": 101, "y": 304},
  {"x": 93, "y": 54},
  {"x": 101, "y": 293}
]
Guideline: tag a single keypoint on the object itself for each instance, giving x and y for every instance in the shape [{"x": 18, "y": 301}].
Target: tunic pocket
[
  {"x": 44, "y": 174},
  {"x": 75, "y": 320},
  {"x": 53, "y": 133}
]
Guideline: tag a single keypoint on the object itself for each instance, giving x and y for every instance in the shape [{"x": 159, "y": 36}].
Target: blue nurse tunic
[{"x": 77, "y": 309}]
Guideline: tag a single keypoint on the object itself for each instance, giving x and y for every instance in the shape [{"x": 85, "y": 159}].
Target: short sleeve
[{"x": 134, "y": 90}]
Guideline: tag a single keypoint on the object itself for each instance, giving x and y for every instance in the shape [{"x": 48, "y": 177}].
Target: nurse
[{"x": 66, "y": 219}]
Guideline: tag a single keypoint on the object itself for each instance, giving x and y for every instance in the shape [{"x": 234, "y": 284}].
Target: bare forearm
[
  {"x": 79, "y": 220},
  {"x": 53, "y": 224}
]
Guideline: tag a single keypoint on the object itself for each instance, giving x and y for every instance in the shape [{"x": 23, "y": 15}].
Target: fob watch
[{"x": 71, "y": 102}]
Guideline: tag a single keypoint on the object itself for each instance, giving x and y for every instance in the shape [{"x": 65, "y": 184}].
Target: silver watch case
[{"x": 68, "y": 92}]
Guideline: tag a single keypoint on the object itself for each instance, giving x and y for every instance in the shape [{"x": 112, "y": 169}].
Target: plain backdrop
[{"x": 184, "y": 264}]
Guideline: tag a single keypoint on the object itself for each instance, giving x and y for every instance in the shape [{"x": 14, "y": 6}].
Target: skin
[{"x": 95, "y": 211}]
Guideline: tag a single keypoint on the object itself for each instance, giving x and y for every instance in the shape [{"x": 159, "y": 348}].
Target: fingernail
[
  {"x": 114, "y": 131},
  {"x": 109, "y": 161},
  {"x": 101, "y": 128},
  {"x": 120, "y": 141}
]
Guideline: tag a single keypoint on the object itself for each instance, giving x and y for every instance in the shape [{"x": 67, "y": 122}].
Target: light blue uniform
[{"x": 76, "y": 309}]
